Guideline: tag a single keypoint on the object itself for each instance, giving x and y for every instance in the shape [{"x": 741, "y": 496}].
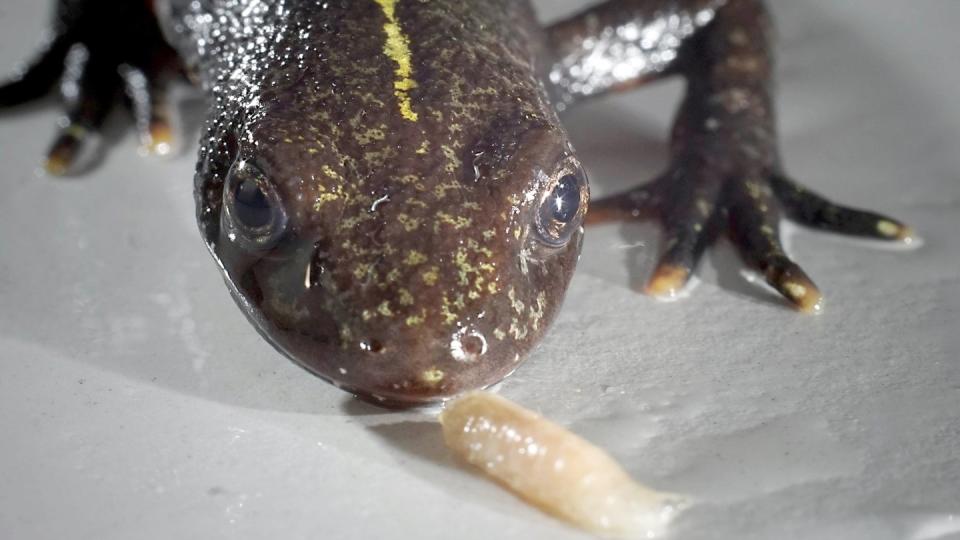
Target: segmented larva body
[{"x": 554, "y": 469}]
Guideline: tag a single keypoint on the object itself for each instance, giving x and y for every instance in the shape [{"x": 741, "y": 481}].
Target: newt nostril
[
  {"x": 372, "y": 346},
  {"x": 468, "y": 346}
]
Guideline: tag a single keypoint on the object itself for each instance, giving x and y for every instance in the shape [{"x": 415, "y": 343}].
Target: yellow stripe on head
[{"x": 397, "y": 48}]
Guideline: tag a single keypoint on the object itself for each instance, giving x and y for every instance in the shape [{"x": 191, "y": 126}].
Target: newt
[{"x": 387, "y": 186}]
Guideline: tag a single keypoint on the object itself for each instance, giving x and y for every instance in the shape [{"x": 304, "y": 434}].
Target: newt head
[
  {"x": 406, "y": 281},
  {"x": 404, "y": 225}
]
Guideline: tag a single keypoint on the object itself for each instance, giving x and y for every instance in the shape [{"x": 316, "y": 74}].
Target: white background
[{"x": 136, "y": 401}]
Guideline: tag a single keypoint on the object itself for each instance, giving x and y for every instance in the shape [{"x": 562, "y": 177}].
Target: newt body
[{"x": 388, "y": 188}]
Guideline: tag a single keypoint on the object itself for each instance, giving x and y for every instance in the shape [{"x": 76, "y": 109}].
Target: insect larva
[{"x": 554, "y": 469}]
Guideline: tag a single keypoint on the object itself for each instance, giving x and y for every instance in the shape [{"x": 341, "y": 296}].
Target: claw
[
  {"x": 793, "y": 283},
  {"x": 160, "y": 138},
  {"x": 895, "y": 231},
  {"x": 56, "y": 165},
  {"x": 66, "y": 149},
  {"x": 667, "y": 281}
]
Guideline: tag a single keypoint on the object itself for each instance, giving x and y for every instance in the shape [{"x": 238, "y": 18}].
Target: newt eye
[
  {"x": 562, "y": 209},
  {"x": 254, "y": 212}
]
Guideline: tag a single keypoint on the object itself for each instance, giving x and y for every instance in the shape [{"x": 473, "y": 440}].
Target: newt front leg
[
  {"x": 725, "y": 172},
  {"x": 99, "y": 51}
]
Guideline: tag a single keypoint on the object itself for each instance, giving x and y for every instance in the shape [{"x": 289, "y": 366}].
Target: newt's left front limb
[
  {"x": 725, "y": 172},
  {"x": 100, "y": 50}
]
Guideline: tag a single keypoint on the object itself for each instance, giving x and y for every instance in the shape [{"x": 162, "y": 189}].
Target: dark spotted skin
[{"x": 406, "y": 157}]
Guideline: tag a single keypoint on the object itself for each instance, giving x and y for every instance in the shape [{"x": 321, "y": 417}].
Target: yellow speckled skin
[{"x": 411, "y": 147}]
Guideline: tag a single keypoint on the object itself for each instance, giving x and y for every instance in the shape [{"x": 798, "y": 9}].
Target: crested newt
[{"x": 386, "y": 185}]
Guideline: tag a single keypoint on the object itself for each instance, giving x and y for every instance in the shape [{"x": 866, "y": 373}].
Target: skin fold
[{"x": 386, "y": 184}]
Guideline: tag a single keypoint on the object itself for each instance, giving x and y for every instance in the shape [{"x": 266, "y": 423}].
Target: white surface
[{"x": 136, "y": 401}]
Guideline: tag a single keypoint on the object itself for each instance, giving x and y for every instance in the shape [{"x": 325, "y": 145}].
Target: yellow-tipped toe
[
  {"x": 667, "y": 281},
  {"x": 805, "y": 296},
  {"x": 895, "y": 231},
  {"x": 161, "y": 140},
  {"x": 56, "y": 166}
]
